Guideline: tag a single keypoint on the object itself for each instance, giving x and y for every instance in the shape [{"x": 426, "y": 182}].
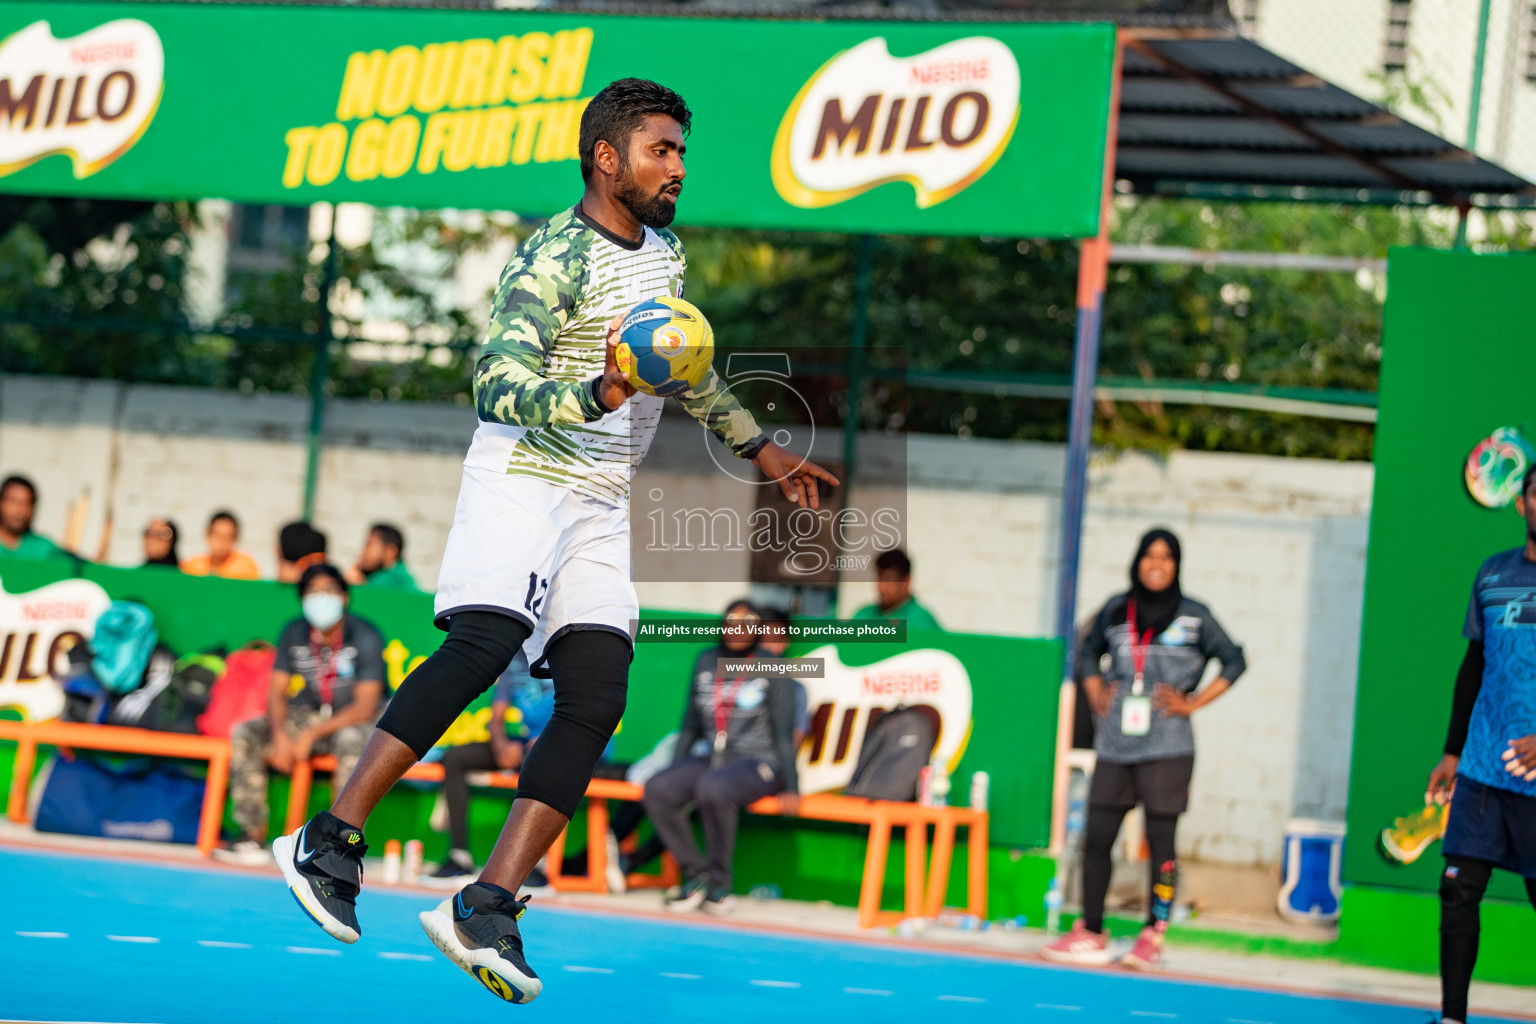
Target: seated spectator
[
  {"x": 746, "y": 724},
  {"x": 380, "y": 563},
  {"x": 893, "y": 587},
  {"x": 18, "y": 501},
  {"x": 160, "y": 543},
  {"x": 327, "y": 692},
  {"x": 222, "y": 558},
  {"x": 299, "y": 546}
]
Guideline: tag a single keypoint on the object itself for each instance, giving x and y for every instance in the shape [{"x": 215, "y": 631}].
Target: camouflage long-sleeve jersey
[{"x": 536, "y": 378}]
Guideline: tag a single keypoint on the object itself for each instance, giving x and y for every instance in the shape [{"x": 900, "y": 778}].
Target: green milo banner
[
  {"x": 1458, "y": 362},
  {"x": 993, "y": 129}
]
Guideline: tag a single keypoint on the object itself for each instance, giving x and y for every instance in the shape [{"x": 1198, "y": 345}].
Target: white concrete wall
[{"x": 1275, "y": 546}]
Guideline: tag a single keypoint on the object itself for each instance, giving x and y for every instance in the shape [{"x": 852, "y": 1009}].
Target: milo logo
[
  {"x": 938, "y": 121},
  {"x": 90, "y": 97}
]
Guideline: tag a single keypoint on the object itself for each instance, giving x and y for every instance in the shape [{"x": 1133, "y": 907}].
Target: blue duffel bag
[{"x": 131, "y": 800}]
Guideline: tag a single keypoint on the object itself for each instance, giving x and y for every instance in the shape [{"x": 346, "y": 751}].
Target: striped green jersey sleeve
[
  {"x": 537, "y": 296},
  {"x": 713, "y": 405}
]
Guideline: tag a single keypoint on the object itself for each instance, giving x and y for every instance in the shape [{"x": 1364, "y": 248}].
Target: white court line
[
  {"x": 44, "y": 935},
  {"x": 312, "y": 951},
  {"x": 769, "y": 983},
  {"x": 579, "y": 969},
  {"x": 681, "y": 977},
  {"x": 961, "y": 999},
  {"x": 147, "y": 939},
  {"x": 1153, "y": 1013},
  {"x": 220, "y": 944},
  {"x": 1055, "y": 1006},
  {"x": 406, "y": 956},
  {"x": 1240, "y": 1020},
  {"x": 869, "y": 991}
]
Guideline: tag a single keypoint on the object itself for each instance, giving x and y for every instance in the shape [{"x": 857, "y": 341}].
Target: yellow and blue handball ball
[{"x": 665, "y": 346}]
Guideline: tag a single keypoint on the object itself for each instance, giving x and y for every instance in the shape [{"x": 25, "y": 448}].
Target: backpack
[
  {"x": 896, "y": 748},
  {"x": 132, "y": 707},
  {"x": 241, "y": 692},
  {"x": 173, "y": 702},
  {"x": 125, "y": 637}
]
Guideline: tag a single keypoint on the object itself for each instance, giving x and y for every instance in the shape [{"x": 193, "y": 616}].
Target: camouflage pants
[{"x": 251, "y": 740}]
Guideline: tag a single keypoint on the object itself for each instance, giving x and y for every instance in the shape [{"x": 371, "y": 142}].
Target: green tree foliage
[{"x": 104, "y": 288}]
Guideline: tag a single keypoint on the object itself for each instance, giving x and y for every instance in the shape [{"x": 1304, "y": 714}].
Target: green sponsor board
[
  {"x": 993, "y": 129},
  {"x": 1459, "y": 358},
  {"x": 1011, "y": 733}
]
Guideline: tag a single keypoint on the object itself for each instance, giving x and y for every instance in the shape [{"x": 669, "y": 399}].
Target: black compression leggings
[
  {"x": 478, "y": 647},
  {"x": 591, "y": 673},
  {"x": 1103, "y": 826},
  {"x": 1461, "y": 894}
]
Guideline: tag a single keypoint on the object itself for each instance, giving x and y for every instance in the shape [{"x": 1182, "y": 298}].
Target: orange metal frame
[
  {"x": 926, "y": 879},
  {"x": 66, "y": 735}
]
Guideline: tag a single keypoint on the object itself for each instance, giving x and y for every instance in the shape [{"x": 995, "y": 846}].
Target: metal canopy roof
[{"x": 1221, "y": 115}]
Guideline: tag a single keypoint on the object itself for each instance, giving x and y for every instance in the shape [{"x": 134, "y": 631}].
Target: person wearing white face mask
[{"x": 327, "y": 692}]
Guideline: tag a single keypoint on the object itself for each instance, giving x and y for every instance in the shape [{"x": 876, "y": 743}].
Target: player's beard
[{"x": 651, "y": 210}]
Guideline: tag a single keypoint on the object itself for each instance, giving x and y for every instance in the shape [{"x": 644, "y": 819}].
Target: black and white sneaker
[
  {"x": 248, "y": 851},
  {"x": 457, "y": 870},
  {"x": 323, "y": 866},
  {"x": 477, "y": 929},
  {"x": 719, "y": 901},
  {"x": 687, "y": 896}
]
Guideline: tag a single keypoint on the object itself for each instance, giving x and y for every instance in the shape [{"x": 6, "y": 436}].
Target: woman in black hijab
[
  {"x": 1140, "y": 664},
  {"x": 160, "y": 543}
]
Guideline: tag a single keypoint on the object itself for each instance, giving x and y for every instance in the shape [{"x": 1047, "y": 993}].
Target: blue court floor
[{"x": 89, "y": 939}]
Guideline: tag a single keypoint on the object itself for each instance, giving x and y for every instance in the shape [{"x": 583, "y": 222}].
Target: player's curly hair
[{"x": 619, "y": 109}]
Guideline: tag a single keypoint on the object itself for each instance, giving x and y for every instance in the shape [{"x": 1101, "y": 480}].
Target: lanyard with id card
[
  {"x": 725, "y": 708},
  {"x": 326, "y": 670},
  {"x": 1136, "y": 709}
]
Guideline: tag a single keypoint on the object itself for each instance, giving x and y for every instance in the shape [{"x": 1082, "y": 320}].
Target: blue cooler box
[{"x": 1310, "y": 882}]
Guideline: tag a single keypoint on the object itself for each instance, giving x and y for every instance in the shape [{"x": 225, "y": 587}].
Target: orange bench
[
  {"x": 599, "y": 792},
  {"x": 123, "y": 740},
  {"x": 925, "y": 880}
]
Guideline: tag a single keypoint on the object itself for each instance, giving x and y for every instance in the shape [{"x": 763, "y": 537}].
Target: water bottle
[
  {"x": 925, "y": 786},
  {"x": 411, "y": 868},
  {"x": 981, "y": 783},
  {"x": 392, "y": 862},
  {"x": 1053, "y": 899},
  {"x": 939, "y": 790}
]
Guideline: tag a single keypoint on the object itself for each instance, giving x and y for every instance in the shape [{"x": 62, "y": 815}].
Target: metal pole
[
  {"x": 858, "y": 342},
  {"x": 1474, "y": 107},
  {"x": 1092, "y": 273},
  {"x": 320, "y": 372}
]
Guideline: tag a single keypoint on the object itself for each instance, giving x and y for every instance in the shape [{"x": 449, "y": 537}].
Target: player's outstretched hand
[
  {"x": 1442, "y": 781},
  {"x": 796, "y": 476},
  {"x": 615, "y": 389},
  {"x": 1520, "y": 758}
]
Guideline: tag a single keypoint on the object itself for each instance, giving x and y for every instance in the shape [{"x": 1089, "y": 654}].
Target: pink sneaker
[
  {"x": 1078, "y": 946},
  {"x": 1147, "y": 951}
]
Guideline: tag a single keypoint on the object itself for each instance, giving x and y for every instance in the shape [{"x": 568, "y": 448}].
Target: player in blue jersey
[{"x": 1488, "y": 772}]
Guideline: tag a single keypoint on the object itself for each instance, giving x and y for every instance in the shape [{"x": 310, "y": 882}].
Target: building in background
[{"x": 1419, "y": 57}]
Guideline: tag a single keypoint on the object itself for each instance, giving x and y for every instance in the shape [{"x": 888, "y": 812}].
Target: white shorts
[{"x": 542, "y": 553}]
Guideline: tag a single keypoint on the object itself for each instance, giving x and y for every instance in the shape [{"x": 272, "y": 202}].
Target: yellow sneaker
[{"x": 1411, "y": 834}]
